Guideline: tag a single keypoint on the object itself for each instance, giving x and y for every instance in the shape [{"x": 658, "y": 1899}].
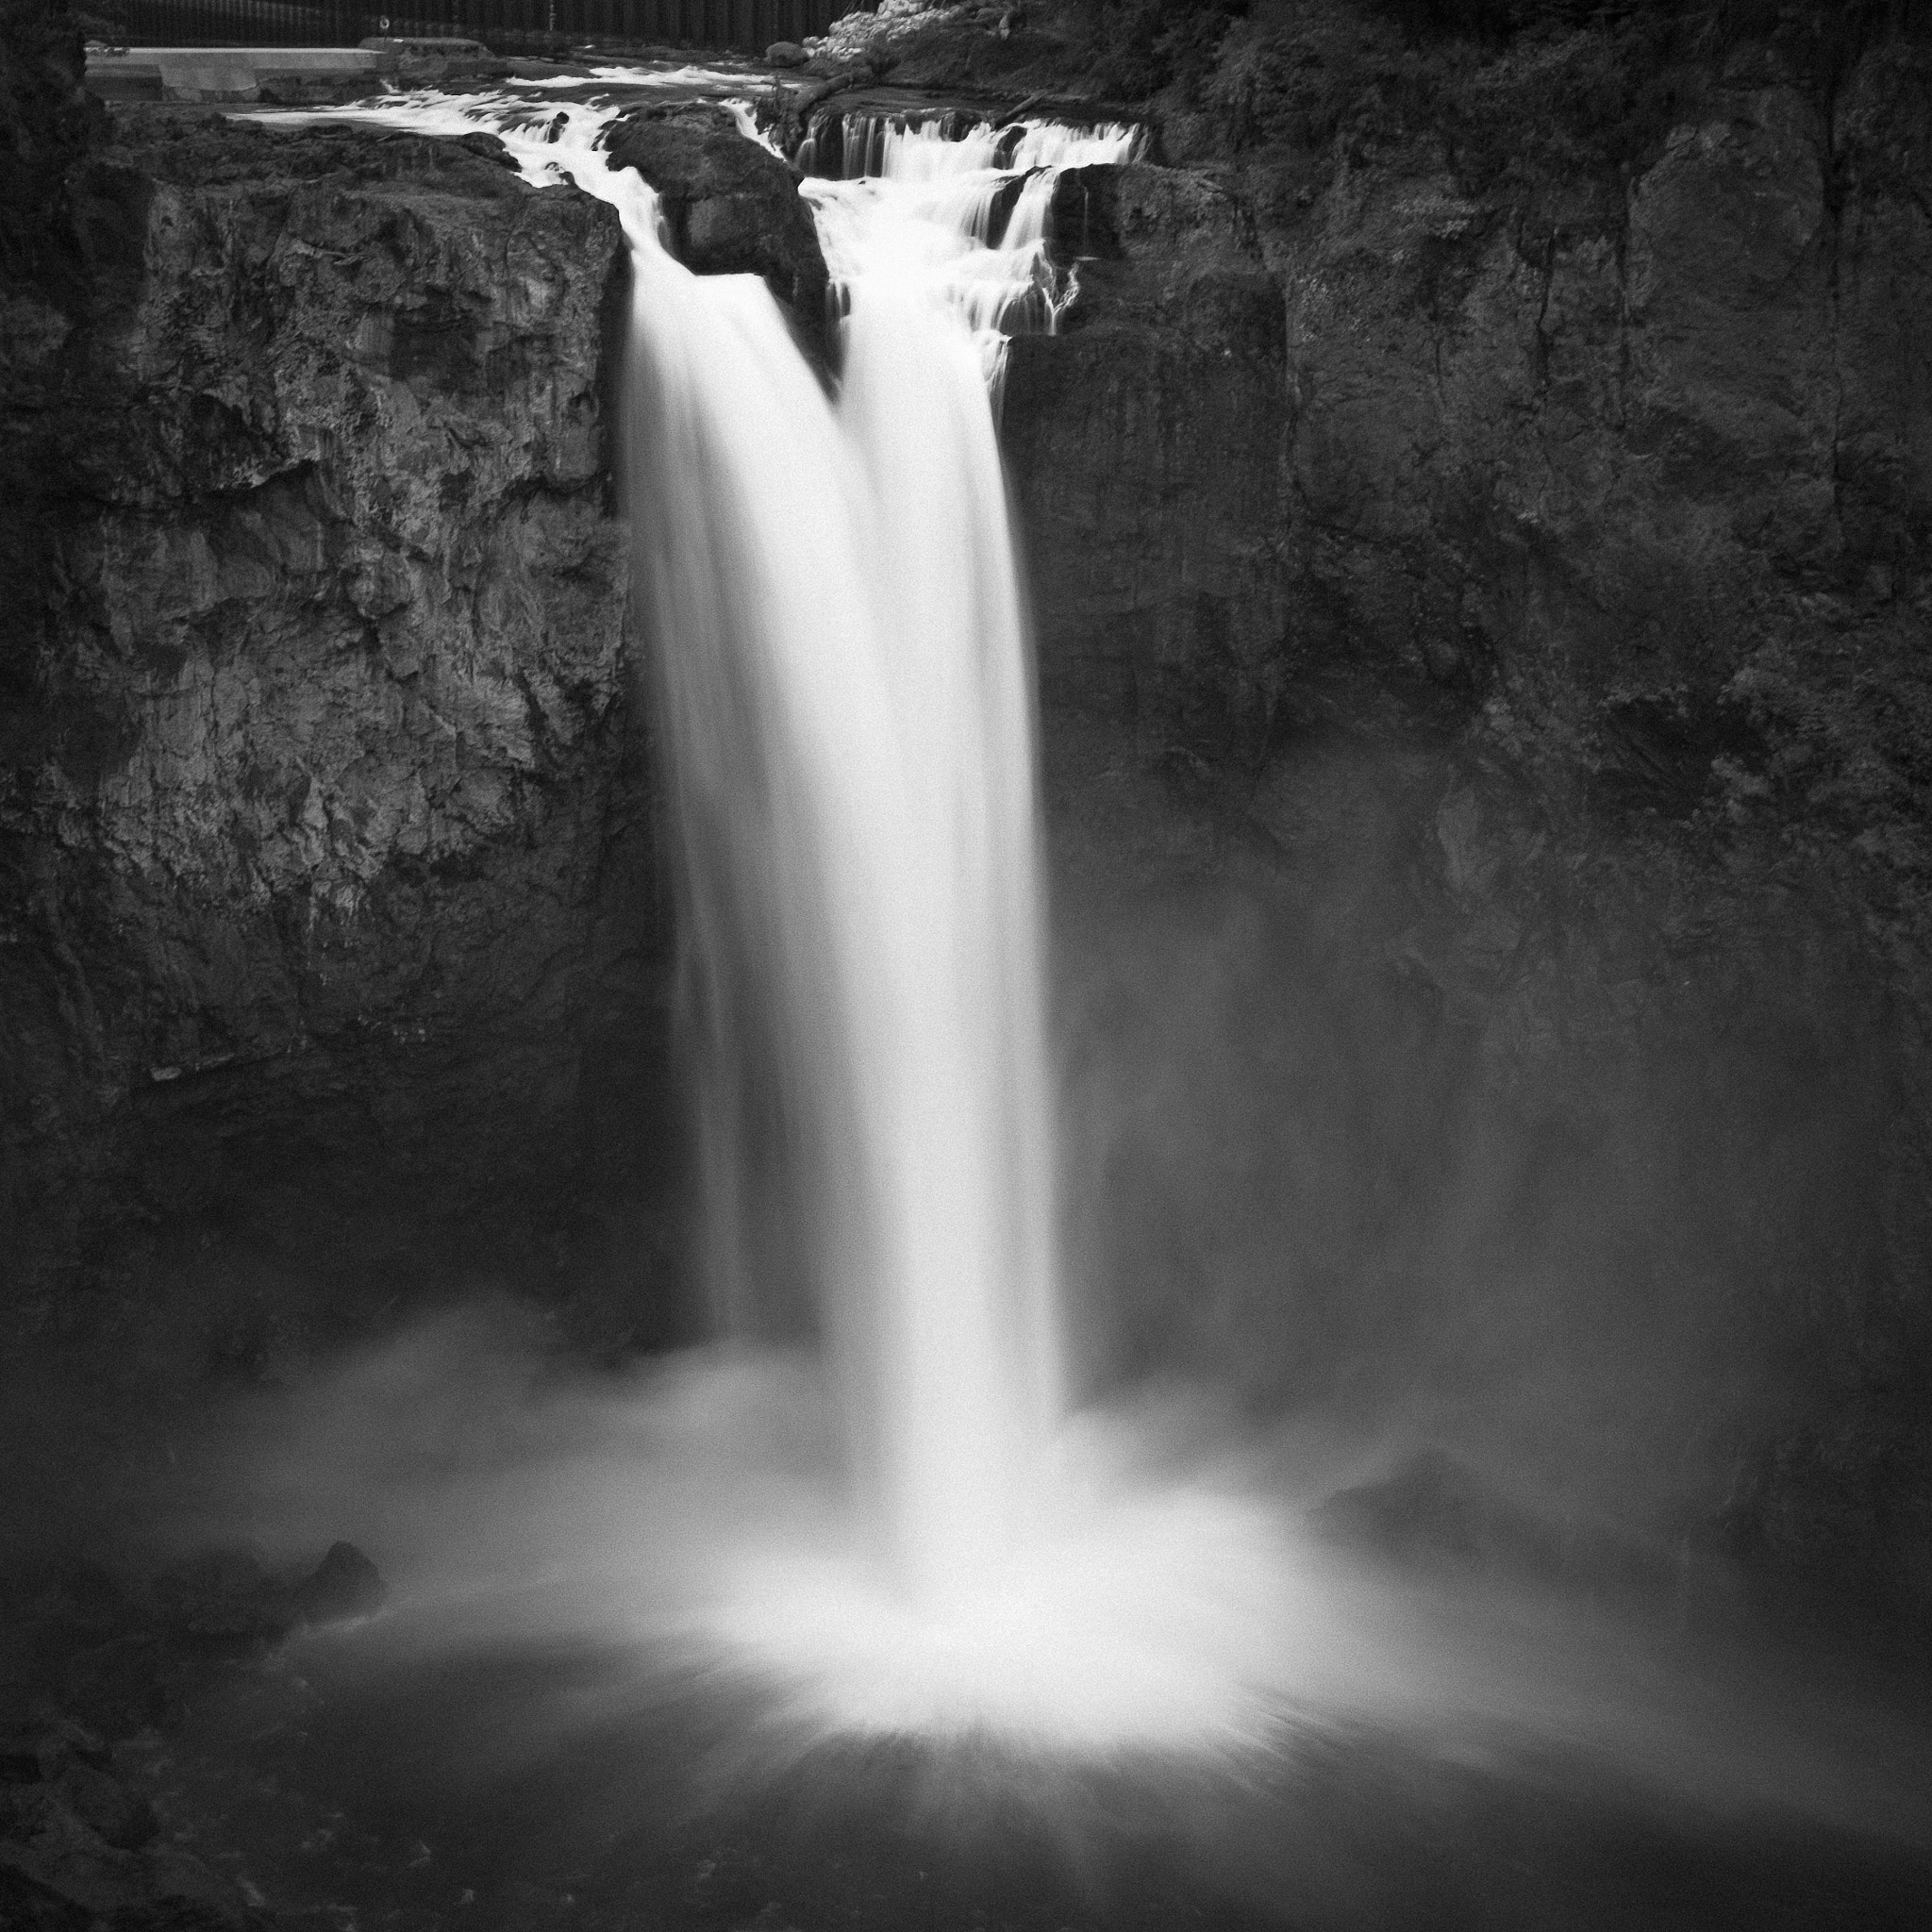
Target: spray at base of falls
[{"x": 844, "y": 681}]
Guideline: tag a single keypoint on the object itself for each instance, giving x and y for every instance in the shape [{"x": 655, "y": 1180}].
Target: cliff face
[
  {"x": 1480, "y": 565},
  {"x": 328, "y": 931}
]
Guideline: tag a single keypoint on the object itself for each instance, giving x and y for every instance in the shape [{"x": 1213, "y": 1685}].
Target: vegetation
[{"x": 1587, "y": 83}]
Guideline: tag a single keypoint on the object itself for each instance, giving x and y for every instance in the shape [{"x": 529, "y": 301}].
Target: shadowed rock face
[
  {"x": 1570, "y": 435},
  {"x": 327, "y": 900},
  {"x": 1482, "y": 602},
  {"x": 332, "y": 947},
  {"x": 1148, "y": 445},
  {"x": 1480, "y": 583}
]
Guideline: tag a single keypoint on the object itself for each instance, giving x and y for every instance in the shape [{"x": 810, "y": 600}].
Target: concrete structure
[
  {"x": 226, "y": 74},
  {"x": 424, "y": 47}
]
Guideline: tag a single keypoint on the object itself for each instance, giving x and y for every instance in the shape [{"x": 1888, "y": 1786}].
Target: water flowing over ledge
[{"x": 843, "y": 674}]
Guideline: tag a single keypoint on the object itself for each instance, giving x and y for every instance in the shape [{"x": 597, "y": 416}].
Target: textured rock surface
[
  {"x": 327, "y": 912},
  {"x": 1148, "y": 443},
  {"x": 1478, "y": 516},
  {"x": 731, "y": 208}
]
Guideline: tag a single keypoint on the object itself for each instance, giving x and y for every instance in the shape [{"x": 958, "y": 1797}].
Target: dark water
[{"x": 578, "y": 1787}]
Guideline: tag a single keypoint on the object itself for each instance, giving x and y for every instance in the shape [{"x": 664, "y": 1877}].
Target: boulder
[
  {"x": 344, "y": 1583},
  {"x": 731, "y": 207}
]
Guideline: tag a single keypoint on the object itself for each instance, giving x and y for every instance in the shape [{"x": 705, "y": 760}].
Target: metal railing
[{"x": 746, "y": 27}]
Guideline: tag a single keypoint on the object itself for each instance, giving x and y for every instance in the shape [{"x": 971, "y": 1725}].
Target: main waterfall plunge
[
  {"x": 843, "y": 673},
  {"x": 846, "y": 693}
]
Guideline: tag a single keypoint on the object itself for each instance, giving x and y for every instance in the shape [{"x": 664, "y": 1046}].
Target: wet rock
[
  {"x": 1434, "y": 1510},
  {"x": 360, "y": 489},
  {"x": 1457, "y": 537},
  {"x": 62, "y": 1744},
  {"x": 48, "y": 1846},
  {"x": 185, "y": 1891},
  {"x": 1145, "y": 444},
  {"x": 1842, "y": 1501},
  {"x": 125, "y": 1686},
  {"x": 226, "y": 1598},
  {"x": 66, "y": 1865},
  {"x": 344, "y": 1583},
  {"x": 786, "y": 54},
  {"x": 106, "y": 1806},
  {"x": 78, "y": 1843},
  {"x": 80, "y": 1837},
  {"x": 730, "y": 207},
  {"x": 1528, "y": 422}
]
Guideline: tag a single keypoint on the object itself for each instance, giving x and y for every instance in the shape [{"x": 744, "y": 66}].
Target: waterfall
[
  {"x": 847, "y": 732},
  {"x": 957, "y": 215},
  {"x": 853, "y": 732},
  {"x": 844, "y": 680},
  {"x": 845, "y": 686}
]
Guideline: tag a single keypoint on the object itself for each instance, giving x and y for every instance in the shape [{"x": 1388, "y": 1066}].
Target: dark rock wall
[
  {"x": 1481, "y": 579},
  {"x": 327, "y": 934}
]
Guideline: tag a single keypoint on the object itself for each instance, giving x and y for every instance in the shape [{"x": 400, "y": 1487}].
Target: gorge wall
[
  {"x": 1476, "y": 511},
  {"x": 331, "y": 951}
]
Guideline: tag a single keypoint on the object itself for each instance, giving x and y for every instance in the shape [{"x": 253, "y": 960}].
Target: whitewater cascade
[
  {"x": 847, "y": 717},
  {"x": 848, "y": 692},
  {"x": 846, "y": 686},
  {"x": 851, "y": 707}
]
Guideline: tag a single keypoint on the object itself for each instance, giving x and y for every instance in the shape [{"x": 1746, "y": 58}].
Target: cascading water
[
  {"x": 849, "y": 699},
  {"x": 845, "y": 687},
  {"x": 844, "y": 673},
  {"x": 919, "y": 211}
]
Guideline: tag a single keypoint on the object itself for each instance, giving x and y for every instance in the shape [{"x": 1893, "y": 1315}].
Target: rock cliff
[
  {"x": 1478, "y": 514},
  {"x": 331, "y": 952},
  {"x": 325, "y": 847}
]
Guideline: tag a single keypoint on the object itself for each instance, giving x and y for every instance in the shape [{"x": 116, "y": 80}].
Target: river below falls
[{"x": 358, "y": 1784}]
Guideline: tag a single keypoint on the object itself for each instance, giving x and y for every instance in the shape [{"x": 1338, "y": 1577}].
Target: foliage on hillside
[
  {"x": 1590, "y": 84},
  {"x": 1577, "y": 83}
]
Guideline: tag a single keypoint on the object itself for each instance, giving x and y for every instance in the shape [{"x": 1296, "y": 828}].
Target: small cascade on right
[{"x": 953, "y": 211}]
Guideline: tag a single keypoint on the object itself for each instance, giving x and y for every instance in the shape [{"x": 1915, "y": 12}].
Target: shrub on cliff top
[
  {"x": 1145, "y": 45},
  {"x": 1589, "y": 85},
  {"x": 1720, "y": 22}
]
